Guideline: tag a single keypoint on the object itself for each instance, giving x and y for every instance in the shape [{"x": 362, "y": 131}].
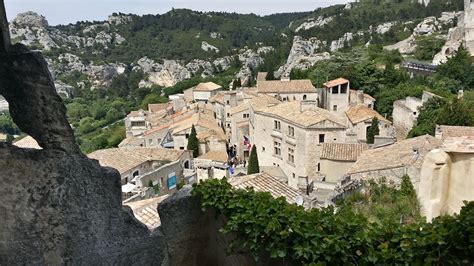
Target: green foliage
[
  {"x": 101, "y": 138},
  {"x": 428, "y": 47},
  {"x": 193, "y": 143},
  {"x": 9, "y": 139},
  {"x": 459, "y": 67},
  {"x": 7, "y": 125},
  {"x": 253, "y": 165},
  {"x": 373, "y": 131},
  {"x": 264, "y": 225},
  {"x": 438, "y": 111}
]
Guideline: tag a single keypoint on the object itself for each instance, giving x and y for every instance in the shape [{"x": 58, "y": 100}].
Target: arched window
[
  {"x": 186, "y": 165},
  {"x": 304, "y": 97},
  {"x": 136, "y": 173}
]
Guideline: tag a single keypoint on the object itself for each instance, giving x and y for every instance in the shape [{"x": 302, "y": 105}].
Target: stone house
[
  {"x": 211, "y": 165},
  {"x": 241, "y": 124},
  {"x": 137, "y": 122},
  {"x": 223, "y": 101},
  {"x": 338, "y": 158},
  {"x": 335, "y": 96},
  {"x": 159, "y": 137},
  {"x": 210, "y": 136},
  {"x": 394, "y": 161},
  {"x": 358, "y": 97},
  {"x": 405, "y": 113},
  {"x": 360, "y": 119},
  {"x": 446, "y": 177},
  {"x": 204, "y": 91},
  {"x": 288, "y": 90},
  {"x": 290, "y": 135},
  {"x": 140, "y": 165}
]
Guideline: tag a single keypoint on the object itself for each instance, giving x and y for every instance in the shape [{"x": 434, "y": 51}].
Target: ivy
[{"x": 264, "y": 225}]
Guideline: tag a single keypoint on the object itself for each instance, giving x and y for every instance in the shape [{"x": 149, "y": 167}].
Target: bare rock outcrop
[{"x": 303, "y": 55}]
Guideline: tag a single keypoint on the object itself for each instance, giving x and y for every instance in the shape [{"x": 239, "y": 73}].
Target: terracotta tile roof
[
  {"x": 292, "y": 86},
  {"x": 360, "y": 113},
  {"x": 455, "y": 131},
  {"x": 291, "y": 111},
  {"x": 409, "y": 152},
  {"x": 354, "y": 94},
  {"x": 217, "y": 156},
  {"x": 342, "y": 151},
  {"x": 207, "y": 86},
  {"x": 132, "y": 141},
  {"x": 155, "y": 107},
  {"x": 27, "y": 142},
  {"x": 266, "y": 183},
  {"x": 257, "y": 103},
  {"x": 219, "y": 97},
  {"x": 146, "y": 211},
  {"x": 127, "y": 158},
  {"x": 463, "y": 144},
  {"x": 335, "y": 82}
]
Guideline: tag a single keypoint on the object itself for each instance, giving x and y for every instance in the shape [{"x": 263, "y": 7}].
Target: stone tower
[{"x": 469, "y": 25}]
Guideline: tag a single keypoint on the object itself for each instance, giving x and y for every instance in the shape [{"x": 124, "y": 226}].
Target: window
[
  {"x": 335, "y": 90},
  {"x": 228, "y": 125},
  {"x": 334, "y": 108},
  {"x": 319, "y": 167},
  {"x": 136, "y": 173},
  {"x": 370, "y": 106},
  {"x": 263, "y": 148},
  {"x": 321, "y": 138},
  {"x": 304, "y": 97},
  {"x": 246, "y": 115},
  {"x": 150, "y": 142},
  {"x": 138, "y": 123},
  {"x": 277, "y": 148},
  {"x": 228, "y": 114},
  {"x": 181, "y": 148},
  {"x": 291, "y": 155},
  {"x": 291, "y": 131},
  {"x": 277, "y": 125},
  {"x": 294, "y": 176},
  {"x": 344, "y": 88},
  {"x": 187, "y": 136},
  {"x": 228, "y": 102}
]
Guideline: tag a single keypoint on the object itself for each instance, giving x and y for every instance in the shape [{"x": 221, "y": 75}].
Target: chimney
[
  {"x": 360, "y": 97},
  {"x": 305, "y": 105}
]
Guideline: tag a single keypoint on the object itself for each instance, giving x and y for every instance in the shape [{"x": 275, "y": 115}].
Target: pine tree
[
  {"x": 373, "y": 131},
  {"x": 253, "y": 167},
  {"x": 193, "y": 143}
]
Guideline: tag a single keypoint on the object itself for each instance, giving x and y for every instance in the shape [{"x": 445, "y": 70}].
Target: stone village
[{"x": 311, "y": 146}]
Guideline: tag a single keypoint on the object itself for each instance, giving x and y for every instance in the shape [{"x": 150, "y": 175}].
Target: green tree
[
  {"x": 253, "y": 166},
  {"x": 459, "y": 67},
  {"x": 9, "y": 139},
  {"x": 373, "y": 131},
  {"x": 193, "y": 143}
]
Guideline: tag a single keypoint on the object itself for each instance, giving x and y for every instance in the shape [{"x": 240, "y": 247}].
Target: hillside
[{"x": 104, "y": 69}]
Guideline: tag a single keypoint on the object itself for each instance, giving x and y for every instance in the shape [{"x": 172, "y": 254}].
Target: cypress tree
[
  {"x": 253, "y": 166},
  {"x": 193, "y": 143},
  {"x": 373, "y": 131}
]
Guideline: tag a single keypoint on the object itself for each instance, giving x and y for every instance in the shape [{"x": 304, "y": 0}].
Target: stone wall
[{"x": 59, "y": 207}]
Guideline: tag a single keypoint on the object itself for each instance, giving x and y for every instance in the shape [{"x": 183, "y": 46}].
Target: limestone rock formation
[
  {"x": 303, "y": 55},
  {"x": 342, "y": 42},
  {"x": 314, "y": 22},
  {"x": 119, "y": 19},
  {"x": 208, "y": 47},
  {"x": 30, "y": 28},
  {"x": 166, "y": 74}
]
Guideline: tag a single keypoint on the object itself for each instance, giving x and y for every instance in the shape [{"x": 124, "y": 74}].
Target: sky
[{"x": 68, "y": 11}]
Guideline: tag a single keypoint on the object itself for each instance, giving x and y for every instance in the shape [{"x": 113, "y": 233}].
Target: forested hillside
[{"x": 105, "y": 69}]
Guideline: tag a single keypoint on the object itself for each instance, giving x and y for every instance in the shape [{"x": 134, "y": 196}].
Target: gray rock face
[
  {"x": 303, "y": 55},
  {"x": 315, "y": 22},
  {"x": 31, "y": 20},
  {"x": 427, "y": 27},
  {"x": 342, "y": 42},
  {"x": 31, "y": 29},
  {"x": 208, "y": 47},
  {"x": 166, "y": 74},
  {"x": 119, "y": 19}
]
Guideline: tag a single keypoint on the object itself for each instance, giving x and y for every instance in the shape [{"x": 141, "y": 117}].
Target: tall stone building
[{"x": 469, "y": 25}]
